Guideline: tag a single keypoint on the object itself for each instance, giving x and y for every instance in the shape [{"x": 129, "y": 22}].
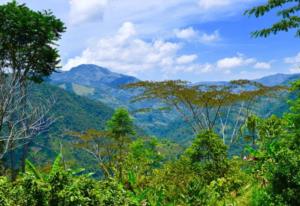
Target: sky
[{"x": 193, "y": 40}]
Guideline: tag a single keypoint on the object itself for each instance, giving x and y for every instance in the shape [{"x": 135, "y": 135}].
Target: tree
[
  {"x": 28, "y": 41},
  {"x": 100, "y": 146},
  {"x": 27, "y": 54},
  {"x": 276, "y": 162},
  {"x": 209, "y": 153},
  {"x": 120, "y": 126},
  {"x": 278, "y": 155},
  {"x": 294, "y": 114},
  {"x": 109, "y": 147},
  {"x": 288, "y": 11},
  {"x": 206, "y": 107}
]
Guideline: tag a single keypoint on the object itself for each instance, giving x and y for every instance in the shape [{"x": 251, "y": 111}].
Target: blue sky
[{"x": 194, "y": 40}]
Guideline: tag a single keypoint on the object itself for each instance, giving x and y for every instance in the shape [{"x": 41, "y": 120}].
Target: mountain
[
  {"x": 92, "y": 76},
  {"x": 101, "y": 84},
  {"x": 87, "y": 95},
  {"x": 271, "y": 80},
  {"x": 96, "y": 83},
  {"x": 278, "y": 79}
]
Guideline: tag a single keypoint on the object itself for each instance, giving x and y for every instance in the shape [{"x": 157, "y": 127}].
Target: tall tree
[
  {"x": 27, "y": 53},
  {"x": 28, "y": 40},
  {"x": 206, "y": 107},
  {"x": 121, "y": 127}
]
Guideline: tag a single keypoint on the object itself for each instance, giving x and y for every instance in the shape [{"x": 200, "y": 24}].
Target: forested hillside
[
  {"x": 101, "y": 84},
  {"x": 71, "y": 113}
]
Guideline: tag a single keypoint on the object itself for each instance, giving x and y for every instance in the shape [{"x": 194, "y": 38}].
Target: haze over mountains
[
  {"x": 100, "y": 84},
  {"x": 93, "y": 76},
  {"x": 103, "y": 85}
]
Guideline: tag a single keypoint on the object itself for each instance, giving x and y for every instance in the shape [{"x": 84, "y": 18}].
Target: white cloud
[
  {"x": 125, "y": 52},
  {"x": 185, "y": 59},
  {"x": 233, "y": 62},
  {"x": 187, "y": 33},
  {"x": 82, "y": 11},
  {"x": 191, "y": 34},
  {"x": 208, "y": 4},
  {"x": 205, "y": 68},
  {"x": 209, "y": 38},
  {"x": 193, "y": 68},
  {"x": 294, "y": 62},
  {"x": 295, "y": 69},
  {"x": 262, "y": 65},
  {"x": 239, "y": 61}
]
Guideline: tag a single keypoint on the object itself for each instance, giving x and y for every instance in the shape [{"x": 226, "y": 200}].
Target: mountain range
[{"x": 101, "y": 84}]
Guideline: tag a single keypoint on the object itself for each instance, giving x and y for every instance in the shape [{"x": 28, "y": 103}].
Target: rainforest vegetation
[{"x": 116, "y": 162}]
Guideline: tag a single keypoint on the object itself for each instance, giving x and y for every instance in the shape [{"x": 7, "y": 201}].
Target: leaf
[
  {"x": 78, "y": 171},
  {"x": 132, "y": 178},
  {"x": 56, "y": 165},
  {"x": 31, "y": 169},
  {"x": 250, "y": 150}
]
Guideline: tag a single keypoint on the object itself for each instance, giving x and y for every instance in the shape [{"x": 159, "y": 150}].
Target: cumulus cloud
[
  {"x": 209, "y": 38},
  {"x": 293, "y": 60},
  {"x": 294, "y": 63},
  {"x": 239, "y": 61},
  {"x": 185, "y": 59},
  {"x": 233, "y": 62},
  {"x": 125, "y": 52},
  {"x": 191, "y": 34},
  {"x": 187, "y": 33},
  {"x": 193, "y": 68},
  {"x": 82, "y": 11},
  {"x": 262, "y": 65}
]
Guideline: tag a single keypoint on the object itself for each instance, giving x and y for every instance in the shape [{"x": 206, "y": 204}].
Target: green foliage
[
  {"x": 287, "y": 10},
  {"x": 62, "y": 188},
  {"x": 73, "y": 113},
  {"x": 146, "y": 171},
  {"x": 294, "y": 115},
  {"x": 27, "y": 41},
  {"x": 121, "y": 124},
  {"x": 31, "y": 169},
  {"x": 277, "y": 166},
  {"x": 153, "y": 173},
  {"x": 56, "y": 165},
  {"x": 146, "y": 152},
  {"x": 209, "y": 153}
]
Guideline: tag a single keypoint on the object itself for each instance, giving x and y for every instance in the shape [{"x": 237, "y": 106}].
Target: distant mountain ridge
[
  {"x": 92, "y": 76},
  {"x": 103, "y": 85},
  {"x": 278, "y": 79},
  {"x": 271, "y": 80}
]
